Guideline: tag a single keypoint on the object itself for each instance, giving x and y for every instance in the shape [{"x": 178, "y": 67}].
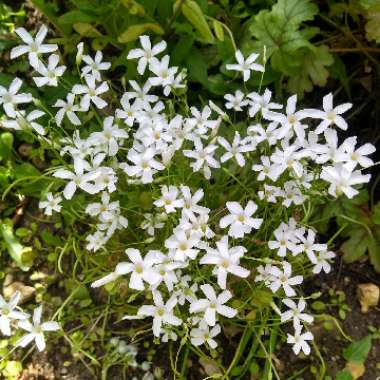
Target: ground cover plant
[{"x": 171, "y": 220}]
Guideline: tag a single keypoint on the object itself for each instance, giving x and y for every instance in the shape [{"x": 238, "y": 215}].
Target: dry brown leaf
[{"x": 368, "y": 295}]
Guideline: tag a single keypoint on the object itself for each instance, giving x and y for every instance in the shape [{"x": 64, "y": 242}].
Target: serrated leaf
[
  {"x": 356, "y": 246},
  {"x": 314, "y": 63},
  {"x": 195, "y": 16},
  {"x": 372, "y": 26},
  {"x": 295, "y": 11},
  {"x": 357, "y": 352},
  {"x": 135, "y": 31}
]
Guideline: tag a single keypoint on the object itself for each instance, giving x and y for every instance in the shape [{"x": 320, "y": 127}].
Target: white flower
[
  {"x": 76, "y": 179},
  {"x": 91, "y": 92},
  {"x": 23, "y": 122},
  {"x": 9, "y": 98},
  {"x": 161, "y": 313},
  {"x": 235, "y": 149},
  {"x": 292, "y": 194},
  {"x": 245, "y": 65},
  {"x": 213, "y": 305},
  {"x": 295, "y": 312},
  {"x": 190, "y": 202},
  {"x": 52, "y": 203},
  {"x": 299, "y": 340},
  {"x": 164, "y": 74},
  {"x": 287, "y": 239},
  {"x": 94, "y": 66},
  {"x": 183, "y": 244},
  {"x": 34, "y": 47},
  {"x": 204, "y": 158},
  {"x": 330, "y": 114},
  {"x": 291, "y": 121},
  {"x": 266, "y": 169},
  {"x": 8, "y": 313},
  {"x": 200, "y": 120},
  {"x": 310, "y": 247},
  {"x": 146, "y": 54},
  {"x": 109, "y": 136},
  {"x": 282, "y": 278},
  {"x": 50, "y": 73},
  {"x": 203, "y": 334},
  {"x": 236, "y": 101},
  {"x": 261, "y": 103},
  {"x": 342, "y": 179},
  {"x": 322, "y": 262},
  {"x": 145, "y": 164},
  {"x": 128, "y": 113},
  {"x": 153, "y": 222},
  {"x": 36, "y": 330},
  {"x": 96, "y": 241},
  {"x": 358, "y": 156},
  {"x": 67, "y": 108},
  {"x": 240, "y": 220},
  {"x": 169, "y": 199},
  {"x": 79, "y": 55},
  {"x": 226, "y": 260},
  {"x": 141, "y": 93},
  {"x": 141, "y": 269}
]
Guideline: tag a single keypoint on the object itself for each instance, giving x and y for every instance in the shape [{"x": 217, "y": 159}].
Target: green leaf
[
  {"x": 195, "y": 16},
  {"x": 197, "y": 66},
  {"x": 295, "y": 11},
  {"x": 15, "y": 249},
  {"x": 75, "y": 16},
  {"x": 373, "y": 248},
  {"x": 135, "y": 31},
  {"x": 86, "y": 30},
  {"x": 376, "y": 214},
  {"x": 218, "y": 29},
  {"x": 314, "y": 63},
  {"x": 344, "y": 375},
  {"x": 372, "y": 26},
  {"x": 356, "y": 246},
  {"x": 357, "y": 352}
]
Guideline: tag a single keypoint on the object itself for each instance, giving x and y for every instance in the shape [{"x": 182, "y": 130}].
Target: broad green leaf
[
  {"x": 195, "y": 16},
  {"x": 135, "y": 31},
  {"x": 197, "y": 66},
  {"x": 76, "y": 16},
  {"x": 314, "y": 63},
  {"x": 357, "y": 352},
  {"x": 295, "y": 11},
  {"x": 376, "y": 214},
  {"x": 356, "y": 246},
  {"x": 344, "y": 375},
  {"x": 20, "y": 254}
]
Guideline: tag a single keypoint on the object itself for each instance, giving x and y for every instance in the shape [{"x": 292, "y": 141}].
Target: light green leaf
[
  {"x": 357, "y": 352},
  {"x": 295, "y": 11},
  {"x": 314, "y": 63},
  {"x": 372, "y": 27},
  {"x": 135, "y": 31},
  {"x": 16, "y": 250},
  {"x": 195, "y": 16},
  {"x": 218, "y": 29}
]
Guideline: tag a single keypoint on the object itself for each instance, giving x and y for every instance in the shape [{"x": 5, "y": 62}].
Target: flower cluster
[
  {"x": 190, "y": 273},
  {"x": 11, "y": 315}
]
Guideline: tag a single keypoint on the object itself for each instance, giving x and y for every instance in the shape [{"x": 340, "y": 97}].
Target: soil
[{"x": 344, "y": 278}]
